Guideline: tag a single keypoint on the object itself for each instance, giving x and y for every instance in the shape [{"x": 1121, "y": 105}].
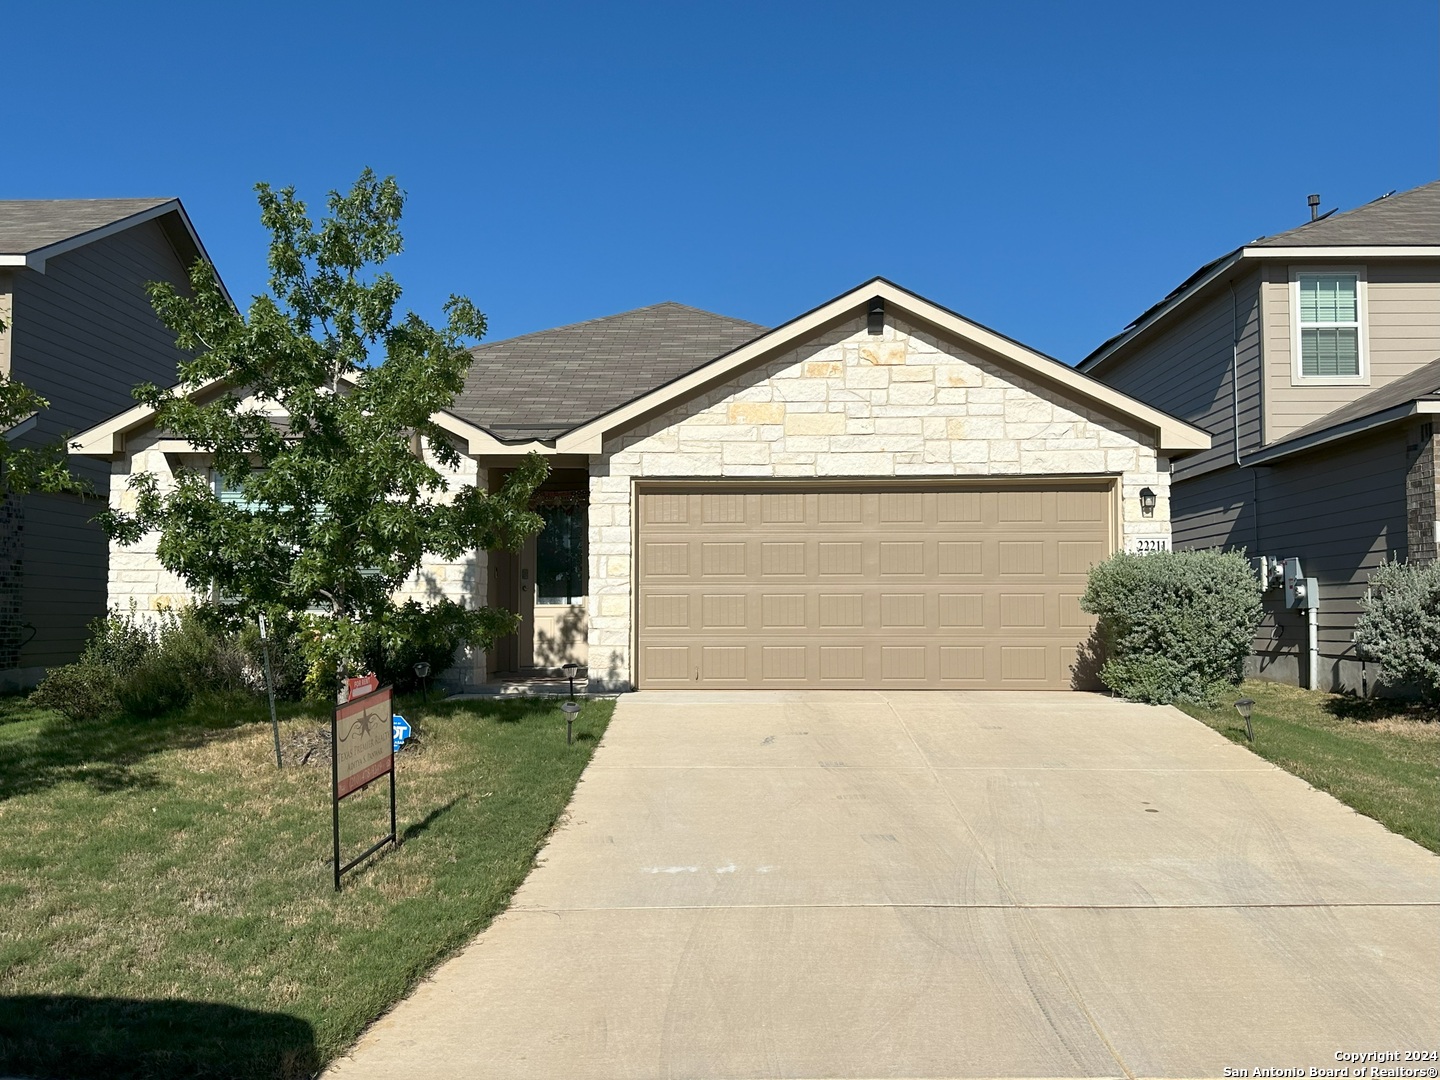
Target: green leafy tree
[
  {"x": 26, "y": 470},
  {"x": 315, "y": 404}
]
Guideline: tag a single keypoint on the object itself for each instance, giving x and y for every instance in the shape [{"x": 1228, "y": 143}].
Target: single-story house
[{"x": 879, "y": 493}]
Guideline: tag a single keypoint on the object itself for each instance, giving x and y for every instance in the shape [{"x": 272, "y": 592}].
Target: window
[
  {"x": 1327, "y": 315},
  {"x": 560, "y": 563}
]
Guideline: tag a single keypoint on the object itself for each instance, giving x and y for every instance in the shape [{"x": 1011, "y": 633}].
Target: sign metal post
[
  {"x": 270, "y": 688},
  {"x": 362, "y": 749}
]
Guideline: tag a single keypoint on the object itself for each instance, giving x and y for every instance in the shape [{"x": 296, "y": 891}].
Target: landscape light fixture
[
  {"x": 1243, "y": 707},
  {"x": 570, "y": 670},
  {"x": 422, "y": 670},
  {"x": 569, "y": 708},
  {"x": 1147, "y": 502}
]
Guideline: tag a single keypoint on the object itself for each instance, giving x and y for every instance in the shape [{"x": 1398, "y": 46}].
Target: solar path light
[
  {"x": 570, "y": 709},
  {"x": 422, "y": 671},
  {"x": 570, "y": 670},
  {"x": 1243, "y": 707}
]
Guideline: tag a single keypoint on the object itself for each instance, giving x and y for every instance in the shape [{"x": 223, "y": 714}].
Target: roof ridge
[{"x": 617, "y": 315}]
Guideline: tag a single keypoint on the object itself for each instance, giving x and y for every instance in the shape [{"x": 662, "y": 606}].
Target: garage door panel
[{"x": 866, "y": 588}]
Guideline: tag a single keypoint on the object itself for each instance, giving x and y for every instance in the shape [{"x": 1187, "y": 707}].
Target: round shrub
[
  {"x": 1399, "y": 625},
  {"x": 1174, "y": 625}
]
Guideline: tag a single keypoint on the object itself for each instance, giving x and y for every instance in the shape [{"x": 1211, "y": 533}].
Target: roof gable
[
  {"x": 1403, "y": 225},
  {"x": 1173, "y": 436},
  {"x": 31, "y": 225}
]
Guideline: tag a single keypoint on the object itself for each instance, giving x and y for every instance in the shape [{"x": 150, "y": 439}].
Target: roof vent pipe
[
  {"x": 1314, "y": 201},
  {"x": 875, "y": 317}
]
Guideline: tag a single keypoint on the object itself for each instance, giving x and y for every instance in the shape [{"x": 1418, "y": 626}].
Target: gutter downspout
[{"x": 1235, "y": 375}]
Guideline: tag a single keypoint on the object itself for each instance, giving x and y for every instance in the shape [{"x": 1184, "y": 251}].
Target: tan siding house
[
  {"x": 1335, "y": 461},
  {"x": 81, "y": 333}
]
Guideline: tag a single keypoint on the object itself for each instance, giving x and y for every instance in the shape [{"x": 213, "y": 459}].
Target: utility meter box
[{"x": 1300, "y": 591}]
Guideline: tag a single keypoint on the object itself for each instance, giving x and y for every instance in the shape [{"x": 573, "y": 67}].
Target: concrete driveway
[{"x": 815, "y": 885}]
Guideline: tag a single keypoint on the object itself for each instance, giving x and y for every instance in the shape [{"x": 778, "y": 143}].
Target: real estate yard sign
[{"x": 362, "y": 749}]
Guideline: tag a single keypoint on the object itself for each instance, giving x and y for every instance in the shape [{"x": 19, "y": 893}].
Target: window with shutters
[{"x": 1328, "y": 309}]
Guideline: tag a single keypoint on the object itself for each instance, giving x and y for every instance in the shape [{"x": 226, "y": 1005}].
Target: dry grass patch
[{"x": 168, "y": 899}]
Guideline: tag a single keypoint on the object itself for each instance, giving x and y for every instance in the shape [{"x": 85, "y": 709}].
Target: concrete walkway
[{"x": 828, "y": 885}]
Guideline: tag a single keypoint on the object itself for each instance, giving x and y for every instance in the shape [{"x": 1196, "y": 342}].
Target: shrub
[
  {"x": 432, "y": 634},
  {"x": 148, "y": 668},
  {"x": 1174, "y": 626},
  {"x": 1399, "y": 625},
  {"x": 88, "y": 689}
]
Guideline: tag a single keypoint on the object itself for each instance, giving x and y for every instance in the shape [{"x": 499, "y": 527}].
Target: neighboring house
[
  {"x": 879, "y": 493},
  {"x": 1313, "y": 359},
  {"x": 82, "y": 334}
]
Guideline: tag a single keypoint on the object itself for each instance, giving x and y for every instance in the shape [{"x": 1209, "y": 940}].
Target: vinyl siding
[
  {"x": 1402, "y": 332},
  {"x": 84, "y": 335},
  {"x": 1185, "y": 369},
  {"x": 1340, "y": 511}
]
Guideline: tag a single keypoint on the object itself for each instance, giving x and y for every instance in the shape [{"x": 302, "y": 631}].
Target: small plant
[
  {"x": 1399, "y": 626},
  {"x": 1174, "y": 626}
]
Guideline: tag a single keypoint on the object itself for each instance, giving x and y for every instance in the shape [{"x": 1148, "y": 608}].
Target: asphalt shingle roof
[
  {"x": 1423, "y": 382},
  {"x": 28, "y": 225},
  {"x": 1411, "y": 218},
  {"x": 541, "y": 385}
]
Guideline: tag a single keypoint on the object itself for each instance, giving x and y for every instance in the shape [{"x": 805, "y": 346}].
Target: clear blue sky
[{"x": 1049, "y": 169}]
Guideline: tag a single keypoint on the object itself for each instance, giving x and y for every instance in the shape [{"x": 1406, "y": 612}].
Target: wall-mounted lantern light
[
  {"x": 1147, "y": 502},
  {"x": 875, "y": 317}
]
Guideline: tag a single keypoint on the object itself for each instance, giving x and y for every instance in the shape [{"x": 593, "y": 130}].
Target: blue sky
[{"x": 1049, "y": 169}]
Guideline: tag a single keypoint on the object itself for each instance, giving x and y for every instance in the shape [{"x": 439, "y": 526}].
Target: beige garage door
[{"x": 778, "y": 587}]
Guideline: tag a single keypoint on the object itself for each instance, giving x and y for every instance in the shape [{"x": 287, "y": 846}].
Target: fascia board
[
  {"x": 1343, "y": 431},
  {"x": 36, "y": 259},
  {"x": 1090, "y": 363},
  {"x": 1173, "y": 436},
  {"x": 479, "y": 441},
  {"x": 1419, "y": 251},
  {"x": 107, "y": 439}
]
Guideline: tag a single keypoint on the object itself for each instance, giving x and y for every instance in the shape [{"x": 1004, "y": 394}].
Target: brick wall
[{"x": 1420, "y": 478}]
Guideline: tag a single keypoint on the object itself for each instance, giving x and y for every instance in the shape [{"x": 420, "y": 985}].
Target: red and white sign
[
  {"x": 364, "y": 741},
  {"x": 365, "y": 684}
]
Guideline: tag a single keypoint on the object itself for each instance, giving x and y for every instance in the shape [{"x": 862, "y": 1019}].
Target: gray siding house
[
  {"x": 1312, "y": 358},
  {"x": 81, "y": 332}
]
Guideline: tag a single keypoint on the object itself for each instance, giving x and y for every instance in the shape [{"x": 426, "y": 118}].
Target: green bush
[
  {"x": 430, "y": 634},
  {"x": 145, "y": 668},
  {"x": 89, "y": 688},
  {"x": 1174, "y": 626},
  {"x": 1399, "y": 625}
]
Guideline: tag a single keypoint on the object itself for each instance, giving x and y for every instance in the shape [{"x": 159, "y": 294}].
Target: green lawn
[
  {"x": 167, "y": 896},
  {"x": 1380, "y": 757}
]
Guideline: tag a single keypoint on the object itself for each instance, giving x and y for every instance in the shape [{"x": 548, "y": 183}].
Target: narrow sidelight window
[{"x": 560, "y": 556}]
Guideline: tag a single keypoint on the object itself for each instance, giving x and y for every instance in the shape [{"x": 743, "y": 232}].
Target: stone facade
[
  {"x": 901, "y": 404},
  {"x": 137, "y": 577}
]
